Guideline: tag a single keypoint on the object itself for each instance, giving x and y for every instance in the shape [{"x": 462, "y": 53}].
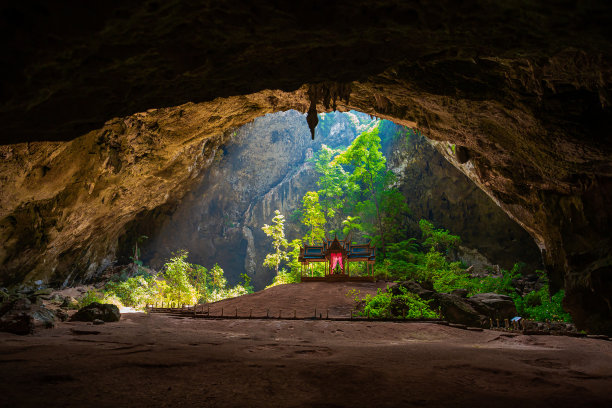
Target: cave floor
[{"x": 160, "y": 360}]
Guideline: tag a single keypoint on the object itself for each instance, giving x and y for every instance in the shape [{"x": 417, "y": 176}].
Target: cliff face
[
  {"x": 263, "y": 168},
  {"x": 436, "y": 191},
  {"x": 65, "y": 207},
  {"x": 522, "y": 90}
]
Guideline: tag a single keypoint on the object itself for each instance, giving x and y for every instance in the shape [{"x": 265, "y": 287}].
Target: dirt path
[{"x": 163, "y": 361}]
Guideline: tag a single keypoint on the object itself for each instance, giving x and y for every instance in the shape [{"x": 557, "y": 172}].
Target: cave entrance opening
[{"x": 273, "y": 164}]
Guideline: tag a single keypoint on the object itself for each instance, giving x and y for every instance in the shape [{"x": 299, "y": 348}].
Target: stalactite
[{"x": 328, "y": 93}]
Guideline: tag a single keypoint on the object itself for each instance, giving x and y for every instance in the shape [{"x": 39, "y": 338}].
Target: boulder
[
  {"x": 493, "y": 305},
  {"x": 412, "y": 287},
  {"x": 104, "y": 312},
  {"x": 57, "y": 298},
  {"x": 43, "y": 292},
  {"x": 462, "y": 293},
  {"x": 70, "y": 303},
  {"x": 457, "y": 310},
  {"x": 61, "y": 314},
  {"x": 15, "y": 317},
  {"x": 23, "y": 317},
  {"x": 43, "y": 318}
]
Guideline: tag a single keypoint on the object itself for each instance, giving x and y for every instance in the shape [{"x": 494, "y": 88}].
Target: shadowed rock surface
[
  {"x": 522, "y": 89},
  {"x": 97, "y": 311},
  {"x": 21, "y": 316},
  {"x": 476, "y": 310}
]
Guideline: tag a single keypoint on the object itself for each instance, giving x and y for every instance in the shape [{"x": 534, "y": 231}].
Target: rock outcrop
[
  {"x": 20, "y": 316},
  {"x": 521, "y": 90},
  {"x": 65, "y": 206},
  {"x": 97, "y": 311},
  {"x": 477, "y": 310}
]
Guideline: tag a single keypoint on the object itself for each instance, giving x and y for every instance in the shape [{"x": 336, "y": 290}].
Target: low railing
[{"x": 205, "y": 312}]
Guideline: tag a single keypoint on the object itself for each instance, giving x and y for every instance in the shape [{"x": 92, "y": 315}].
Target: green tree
[
  {"x": 351, "y": 223},
  {"x": 334, "y": 184},
  {"x": 313, "y": 217},
  {"x": 438, "y": 239},
  {"x": 217, "y": 278},
  {"x": 277, "y": 232},
  {"x": 368, "y": 171},
  {"x": 176, "y": 275}
]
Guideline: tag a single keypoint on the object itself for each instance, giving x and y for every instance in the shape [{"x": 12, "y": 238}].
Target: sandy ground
[
  {"x": 164, "y": 361},
  {"x": 327, "y": 299}
]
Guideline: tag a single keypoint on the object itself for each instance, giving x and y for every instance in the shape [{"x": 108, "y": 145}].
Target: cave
[{"x": 116, "y": 117}]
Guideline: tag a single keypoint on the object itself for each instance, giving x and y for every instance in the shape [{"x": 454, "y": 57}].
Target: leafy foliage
[
  {"x": 180, "y": 283},
  {"x": 356, "y": 192},
  {"x": 313, "y": 217},
  {"x": 438, "y": 239},
  {"x": 90, "y": 297},
  {"x": 404, "y": 305}
]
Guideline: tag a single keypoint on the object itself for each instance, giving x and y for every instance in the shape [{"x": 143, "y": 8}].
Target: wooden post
[
  {"x": 236, "y": 312},
  {"x": 280, "y": 313},
  {"x": 327, "y": 314},
  {"x": 208, "y": 311},
  {"x": 315, "y": 315},
  {"x": 221, "y": 312},
  {"x": 267, "y": 313}
]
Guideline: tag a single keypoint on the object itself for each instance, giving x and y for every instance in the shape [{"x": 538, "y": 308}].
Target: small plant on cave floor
[{"x": 90, "y": 297}]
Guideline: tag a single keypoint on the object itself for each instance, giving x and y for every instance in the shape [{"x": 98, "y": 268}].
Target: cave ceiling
[{"x": 521, "y": 88}]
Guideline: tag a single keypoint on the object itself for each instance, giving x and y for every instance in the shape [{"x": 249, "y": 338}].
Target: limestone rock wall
[
  {"x": 263, "y": 168},
  {"x": 68, "y": 210},
  {"x": 434, "y": 190}
]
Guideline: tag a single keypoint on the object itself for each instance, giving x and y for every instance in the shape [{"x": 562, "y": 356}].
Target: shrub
[
  {"x": 438, "y": 238},
  {"x": 133, "y": 292},
  {"x": 540, "y": 306},
  {"x": 90, "y": 297},
  {"x": 386, "y": 305},
  {"x": 180, "y": 283}
]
